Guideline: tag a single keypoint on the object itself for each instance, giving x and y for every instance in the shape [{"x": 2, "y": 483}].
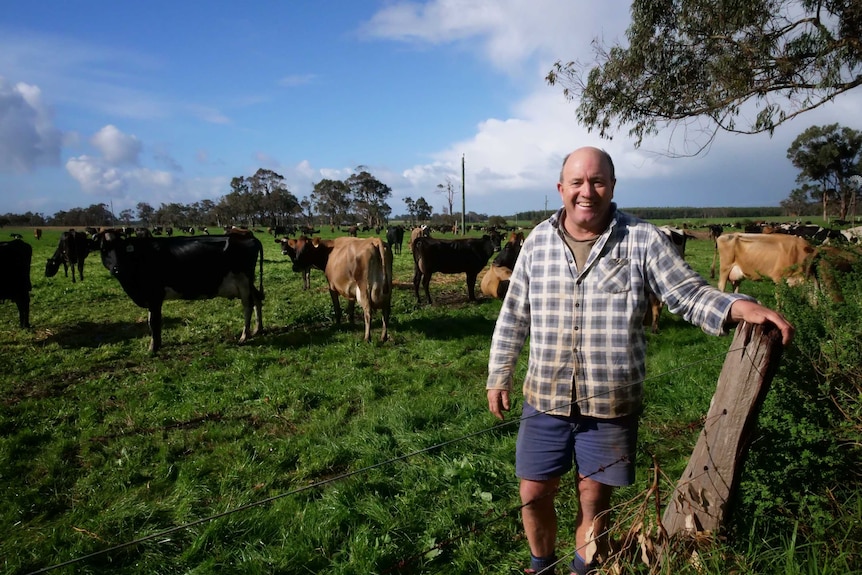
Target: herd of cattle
[{"x": 230, "y": 265}]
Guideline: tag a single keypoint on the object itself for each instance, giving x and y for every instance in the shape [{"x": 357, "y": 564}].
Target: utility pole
[{"x": 463, "y": 199}]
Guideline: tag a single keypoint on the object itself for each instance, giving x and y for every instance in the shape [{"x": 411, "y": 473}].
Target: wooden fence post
[{"x": 699, "y": 501}]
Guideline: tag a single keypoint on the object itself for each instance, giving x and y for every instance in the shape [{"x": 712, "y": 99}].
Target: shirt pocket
[{"x": 614, "y": 275}]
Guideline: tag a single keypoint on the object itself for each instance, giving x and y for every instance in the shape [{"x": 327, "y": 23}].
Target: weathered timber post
[{"x": 699, "y": 501}]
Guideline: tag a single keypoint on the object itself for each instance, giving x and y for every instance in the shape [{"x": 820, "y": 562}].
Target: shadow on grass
[{"x": 91, "y": 335}]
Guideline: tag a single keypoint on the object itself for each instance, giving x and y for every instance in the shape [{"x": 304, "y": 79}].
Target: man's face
[{"x": 587, "y": 190}]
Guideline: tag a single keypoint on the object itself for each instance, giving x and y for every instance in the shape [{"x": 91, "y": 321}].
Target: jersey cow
[
  {"x": 495, "y": 282},
  {"x": 758, "y": 256},
  {"x": 358, "y": 269},
  {"x": 15, "y": 258},
  {"x": 462, "y": 256},
  {"x": 152, "y": 270},
  {"x": 288, "y": 248},
  {"x": 678, "y": 238},
  {"x": 71, "y": 252}
]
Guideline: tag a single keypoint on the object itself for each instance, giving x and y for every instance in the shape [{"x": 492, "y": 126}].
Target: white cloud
[
  {"x": 28, "y": 138},
  {"x": 509, "y": 31},
  {"x": 296, "y": 80},
  {"x": 116, "y": 147}
]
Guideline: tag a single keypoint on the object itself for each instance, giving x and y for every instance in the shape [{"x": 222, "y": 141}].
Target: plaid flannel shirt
[{"x": 587, "y": 343}]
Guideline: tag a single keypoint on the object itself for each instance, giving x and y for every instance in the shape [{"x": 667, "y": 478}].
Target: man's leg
[
  {"x": 539, "y": 515},
  {"x": 594, "y": 500}
]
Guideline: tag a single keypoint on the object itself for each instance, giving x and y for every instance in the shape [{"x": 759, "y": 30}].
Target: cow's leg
[
  {"x": 471, "y": 286},
  {"x": 336, "y": 305},
  {"x": 306, "y": 279},
  {"x": 81, "y": 270},
  {"x": 351, "y": 310},
  {"x": 367, "y": 313},
  {"x": 426, "y": 282},
  {"x": 257, "y": 299},
  {"x": 385, "y": 309},
  {"x": 417, "y": 277},
  {"x": 65, "y": 268},
  {"x": 154, "y": 320},
  {"x": 23, "y": 304}
]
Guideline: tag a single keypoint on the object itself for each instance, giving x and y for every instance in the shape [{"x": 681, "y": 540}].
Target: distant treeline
[
  {"x": 679, "y": 213},
  {"x": 682, "y": 213}
]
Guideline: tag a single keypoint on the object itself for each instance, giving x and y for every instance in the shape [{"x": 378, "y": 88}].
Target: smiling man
[{"x": 580, "y": 289}]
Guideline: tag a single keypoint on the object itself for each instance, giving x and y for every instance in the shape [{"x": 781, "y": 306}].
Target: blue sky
[{"x": 123, "y": 102}]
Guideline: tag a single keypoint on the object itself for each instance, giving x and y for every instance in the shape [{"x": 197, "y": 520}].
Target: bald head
[{"x": 588, "y": 150}]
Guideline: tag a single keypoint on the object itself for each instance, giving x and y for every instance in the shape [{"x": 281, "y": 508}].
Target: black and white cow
[
  {"x": 152, "y": 270},
  {"x": 15, "y": 258},
  {"x": 72, "y": 251}
]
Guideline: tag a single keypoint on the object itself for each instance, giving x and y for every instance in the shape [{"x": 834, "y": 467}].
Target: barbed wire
[{"x": 343, "y": 476}]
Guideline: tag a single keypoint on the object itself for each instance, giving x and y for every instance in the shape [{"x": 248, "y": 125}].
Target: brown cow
[
  {"x": 288, "y": 248},
  {"x": 495, "y": 282},
  {"x": 678, "y": 239},
  {"x": 356, "y": 269},
  {"x": 758, "y": 256},
  {"x": 422, "y": 231}
]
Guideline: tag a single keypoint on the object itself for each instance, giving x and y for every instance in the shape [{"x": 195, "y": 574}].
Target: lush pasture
[{"x": 305, "y": 450}]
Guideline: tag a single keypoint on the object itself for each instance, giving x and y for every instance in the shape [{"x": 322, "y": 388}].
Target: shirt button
[
  {"x": 577, "y": 328},
  {"x": 577, "y": 304}
]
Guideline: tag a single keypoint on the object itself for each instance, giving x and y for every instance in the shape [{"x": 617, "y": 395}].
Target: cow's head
[
  {"x": 52, "y": 266},
  {"x": 508, "y": 255}
]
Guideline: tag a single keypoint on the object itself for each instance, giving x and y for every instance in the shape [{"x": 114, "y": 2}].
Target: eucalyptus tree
[
  {"x": 829, "y": 156},
  {"x": 424, "y": 211},
  {"x": 690, "y": 61},
  {"x": 278, "y": 205},
  {"x": 331, "y": 199},
  {"x": 145, "y": 213},
  {"x": 369, "y": 197}
]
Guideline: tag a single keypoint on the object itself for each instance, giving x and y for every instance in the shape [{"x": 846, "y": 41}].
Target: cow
[
  {"x": 71, "y": 252},
  {"x": 495, "y": 282},
  {"x": 714, "y": 231},
  {"x": 852, "y": 234},
  {"x": 395, "y": 238},
  {"x": 422, "y": 231},
  {"x": 757, "y": 256},
  {"x": 37, "y": 233},
  {"x": 678, "y": 238},
  {"x": 288, "y": 248},
  {"x": 356, "y": 269},
  {"x": 466, "y": 255},
  {"x": 152, "y": 270},
  {"x": 15, "y": 258}
]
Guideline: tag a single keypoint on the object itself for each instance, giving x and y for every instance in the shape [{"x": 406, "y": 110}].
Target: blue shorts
[{"x": 550, "y": 445}]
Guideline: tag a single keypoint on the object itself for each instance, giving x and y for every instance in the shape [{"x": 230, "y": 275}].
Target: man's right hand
[{"x": 498, "y": 402}]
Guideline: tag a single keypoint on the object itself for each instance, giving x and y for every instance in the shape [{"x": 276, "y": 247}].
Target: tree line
[{"x": 829, "y": 160}]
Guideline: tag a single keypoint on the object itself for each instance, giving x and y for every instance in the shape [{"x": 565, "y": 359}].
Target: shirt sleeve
[
  {"x": 512, "y": 327},
  {"x": 686, "y": 292}
]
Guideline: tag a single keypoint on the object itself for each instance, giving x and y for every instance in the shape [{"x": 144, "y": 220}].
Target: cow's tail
[
  {"x": 260, "y": 260},
  {"x": 381, "y": 277}
]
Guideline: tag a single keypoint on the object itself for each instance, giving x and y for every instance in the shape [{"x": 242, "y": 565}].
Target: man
[{"x": 579, "y": 289}]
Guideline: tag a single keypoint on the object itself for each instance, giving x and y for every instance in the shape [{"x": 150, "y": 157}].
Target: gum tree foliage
[
  {"x": 423, "y": 210},
  {"x": 827, "y": 157},
  {"x": 703, "y": 64},
  {"x": 146, "y": 212},
  {"x": 331, "y": 199},
  {"x": 369, "y": 197},
  {"x": 263, "y": 197}
]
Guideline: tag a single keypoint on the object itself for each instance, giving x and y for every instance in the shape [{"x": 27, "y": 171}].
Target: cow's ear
[
  {"x": 315, "y": 242},
  {"x": 291, "y": 242}
]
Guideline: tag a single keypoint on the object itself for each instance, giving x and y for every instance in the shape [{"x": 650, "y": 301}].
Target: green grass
[{"x": 356, "y": 448}]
